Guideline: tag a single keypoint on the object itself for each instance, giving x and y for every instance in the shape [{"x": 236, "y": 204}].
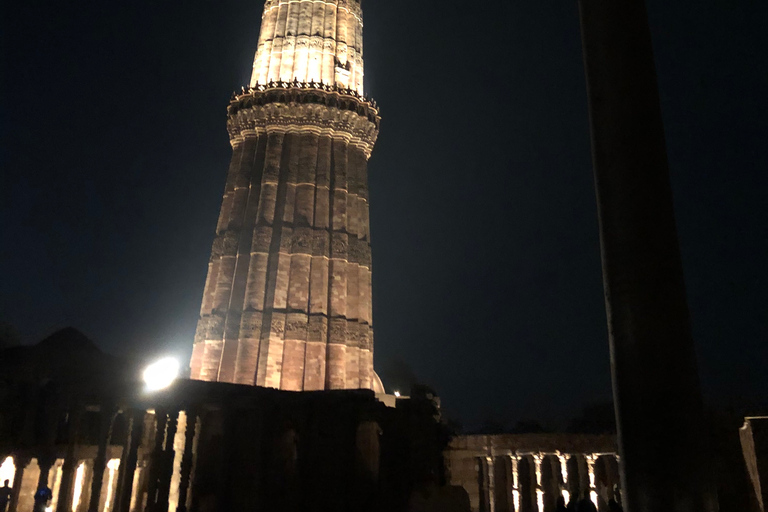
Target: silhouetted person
[
  {"x": 561, "y": 505},
  {"x": 585, "y": 505},
  {"x": 42, "y": 497},
  {"x": 5, "y": 495}
]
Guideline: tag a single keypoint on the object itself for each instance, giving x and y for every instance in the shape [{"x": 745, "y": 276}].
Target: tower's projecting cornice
[{"x": 282, "y": 106}]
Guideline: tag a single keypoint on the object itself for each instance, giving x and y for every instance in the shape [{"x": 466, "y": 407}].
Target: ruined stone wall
[{"x": 287, "y": 301}]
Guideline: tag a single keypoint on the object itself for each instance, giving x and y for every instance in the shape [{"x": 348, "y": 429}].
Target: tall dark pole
[{"x": 662, "y": 435}]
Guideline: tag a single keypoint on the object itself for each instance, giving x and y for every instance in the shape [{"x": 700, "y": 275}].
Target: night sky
[{"x": 487, "y": 282}]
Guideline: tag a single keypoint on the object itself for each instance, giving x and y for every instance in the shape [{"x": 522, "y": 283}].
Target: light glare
[
  {"x": 7, "y": 471},
  {"x": 161, "y": 374},
  {"x": 78, "y": 492}
]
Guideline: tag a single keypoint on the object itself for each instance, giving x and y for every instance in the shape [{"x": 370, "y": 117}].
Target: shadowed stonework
[
  {"x": 287, "y": 301},
  {"x": 80, "y": 422}
]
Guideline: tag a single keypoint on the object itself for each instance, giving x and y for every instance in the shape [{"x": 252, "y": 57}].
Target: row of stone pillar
[
  {"x": 78, "y": 485},
  {"x": 533, "y": 482}
]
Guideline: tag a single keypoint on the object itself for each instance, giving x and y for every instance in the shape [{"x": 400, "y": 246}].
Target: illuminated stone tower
[{"x": 287, "y": 300}]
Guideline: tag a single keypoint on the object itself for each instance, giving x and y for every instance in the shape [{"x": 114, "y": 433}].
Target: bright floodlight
[
  {"x": 161, "y": 374},
  {"x": 397, "y": 394}
]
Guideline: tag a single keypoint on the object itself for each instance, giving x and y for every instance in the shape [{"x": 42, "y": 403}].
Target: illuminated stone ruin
[
  {"x": 530, "y": 472},
  {"x": 287, "y": 300},
  {"x": 202, "y": 446},
  {"x": 104, "y": 439}
]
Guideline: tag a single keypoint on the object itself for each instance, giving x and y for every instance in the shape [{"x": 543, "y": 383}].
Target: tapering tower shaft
[
  {"x": 287, "y": 300},
  {"x": 311, "y": 41}
]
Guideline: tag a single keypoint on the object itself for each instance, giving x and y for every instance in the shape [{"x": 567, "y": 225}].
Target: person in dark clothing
[
  {"x": 586, "y": 505},
  {"x": 5, "y": 495},
  {"x": 42, "y": 497}
]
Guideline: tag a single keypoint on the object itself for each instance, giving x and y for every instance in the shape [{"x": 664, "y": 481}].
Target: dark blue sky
[{"x": 486, "y": 265}]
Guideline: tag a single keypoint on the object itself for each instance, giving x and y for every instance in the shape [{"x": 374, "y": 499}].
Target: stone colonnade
[
  {"x": 533, "y": 482},
  {"x": 147, "y": 469},
  {"x": 208, "y": 446},
  {"x": 531, "y": 472}
]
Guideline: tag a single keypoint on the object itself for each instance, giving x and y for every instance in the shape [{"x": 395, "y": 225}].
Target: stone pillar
[
  {"x": 165, "y": 471},
  {"x": 56, "y": 486},
  {"x": 583, "y": 476},
  {"x": 609, "y": 465},
  {"x": 187, "y": 459},
  {"x": 592, "y": 492},
  {"x": 574, "y": 477},
  {"x": 622, "y": 497},
  {"x": 113, "y": 470},
  {"x": 107, "y": 418},
  {"x": 156, "y": 461},
  {"x": 514, "y": 461},
  {"x": 539, "y": 497},
  {"x": 69, "y": 467},
  {"x": 491, "y": 489},
  {"x": 128, "y": 462},
  {"x": 565, "y": 491},
  {"x": 45, "y": 464},
  {"x": 85, "y": 489},
  {"x": 21, "y": 462},
  {"x": 655, "y": 376},
  {"x": 139, "y": 495}
]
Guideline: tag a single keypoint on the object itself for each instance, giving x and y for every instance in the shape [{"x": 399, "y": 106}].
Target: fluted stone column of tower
[{"x": 287, "y": 301}]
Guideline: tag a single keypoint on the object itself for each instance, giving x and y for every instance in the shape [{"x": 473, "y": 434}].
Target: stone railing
[
  {"x": 279, "y": 105},
  {"x": 295, "y": 88}
]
